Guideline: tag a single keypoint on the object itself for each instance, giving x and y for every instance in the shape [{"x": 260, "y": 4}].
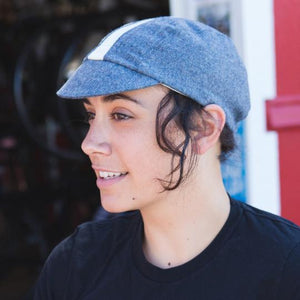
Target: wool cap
[{"x": 184, "y": 55}]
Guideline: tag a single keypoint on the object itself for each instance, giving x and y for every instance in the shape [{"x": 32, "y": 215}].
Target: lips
[{"x": 107, "y": 179}]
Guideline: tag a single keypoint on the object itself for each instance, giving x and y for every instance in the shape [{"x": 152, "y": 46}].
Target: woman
[{"x": 163, "y": 98}]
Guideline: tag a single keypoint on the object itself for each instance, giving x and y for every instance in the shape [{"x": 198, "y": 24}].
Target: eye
[
  {"x": 89, "y": 116},
  {"x": 120, "y": 116}
]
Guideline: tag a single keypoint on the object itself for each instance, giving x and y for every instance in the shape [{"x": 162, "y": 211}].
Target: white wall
[{"x": 262, "y": 146}]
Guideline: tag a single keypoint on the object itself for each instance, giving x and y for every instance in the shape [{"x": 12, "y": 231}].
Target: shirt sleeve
[
  {"x": 289, "y": 288},
  {"x": 53, "y": 279}
]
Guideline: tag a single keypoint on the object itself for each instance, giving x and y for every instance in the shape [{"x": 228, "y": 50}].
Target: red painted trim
[
  {"x": 283, "y": 112},
  {"x": 287, "y": 43}
]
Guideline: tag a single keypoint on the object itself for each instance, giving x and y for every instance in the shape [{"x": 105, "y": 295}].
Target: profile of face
[{"x": 122, "y": 146}]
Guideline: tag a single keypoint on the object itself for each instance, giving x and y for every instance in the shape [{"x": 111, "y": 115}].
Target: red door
[{"x": 283, "y": 113}]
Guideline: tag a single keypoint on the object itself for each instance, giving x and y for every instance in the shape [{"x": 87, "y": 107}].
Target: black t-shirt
[{"x": 256, "y": 255}]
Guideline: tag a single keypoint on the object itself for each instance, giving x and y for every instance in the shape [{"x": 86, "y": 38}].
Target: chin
[{"x": 113, "y": 205}]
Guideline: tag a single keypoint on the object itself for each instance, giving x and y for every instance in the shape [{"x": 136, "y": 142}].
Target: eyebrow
[{"x": 113, "y": 97}]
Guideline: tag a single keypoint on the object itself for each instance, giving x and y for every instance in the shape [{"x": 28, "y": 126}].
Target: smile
[{"x": 110, "y": 175}]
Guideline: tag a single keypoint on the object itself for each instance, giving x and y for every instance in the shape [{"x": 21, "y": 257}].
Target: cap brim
[{"x": 98, "y": 77}]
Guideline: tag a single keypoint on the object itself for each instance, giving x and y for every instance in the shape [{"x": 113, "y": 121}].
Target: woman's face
[{"x": 121, "y": 144}]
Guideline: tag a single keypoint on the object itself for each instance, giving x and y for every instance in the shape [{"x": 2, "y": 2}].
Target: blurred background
[{"x": 47, "y": 186}]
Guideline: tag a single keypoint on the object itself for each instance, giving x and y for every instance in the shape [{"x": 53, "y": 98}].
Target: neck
[{"x": 182, "y": 225}]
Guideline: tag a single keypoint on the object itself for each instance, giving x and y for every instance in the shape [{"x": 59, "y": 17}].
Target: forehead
[{"x": 140, "y": 97}]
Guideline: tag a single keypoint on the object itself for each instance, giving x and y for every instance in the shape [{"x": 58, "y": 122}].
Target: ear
[{"x": 208, "y": 135}]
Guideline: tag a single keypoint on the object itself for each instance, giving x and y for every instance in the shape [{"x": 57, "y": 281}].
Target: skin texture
[{"x": 178, "y": 224}]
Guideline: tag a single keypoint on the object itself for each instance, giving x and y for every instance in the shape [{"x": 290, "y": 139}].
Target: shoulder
[
  {"x": 274, "y": 242},
  {"x": 99, "y": 232},
  {"x": 73, "y": 259},
  {"x": 97, "y": 235},
  {"x": 269, "y": 226},
  {"x": 289, "y": 287}
]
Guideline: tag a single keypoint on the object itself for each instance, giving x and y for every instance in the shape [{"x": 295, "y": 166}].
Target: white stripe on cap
[{"x": 104, "y": 47}]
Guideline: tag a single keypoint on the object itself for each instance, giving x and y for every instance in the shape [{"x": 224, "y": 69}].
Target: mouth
[{"x": 110, "y": 175}]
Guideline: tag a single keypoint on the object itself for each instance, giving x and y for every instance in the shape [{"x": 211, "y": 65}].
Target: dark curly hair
[{"x": 182, "y": 110}]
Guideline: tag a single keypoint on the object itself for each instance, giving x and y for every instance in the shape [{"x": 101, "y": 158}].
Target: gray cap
[{"x": 186, "y": 56}]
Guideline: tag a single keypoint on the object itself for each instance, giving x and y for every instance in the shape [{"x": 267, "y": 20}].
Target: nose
[{"x": 96, "y": 141}]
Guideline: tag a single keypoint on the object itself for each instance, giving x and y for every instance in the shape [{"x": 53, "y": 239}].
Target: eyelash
[
  {"x": 119, "y": 117},
  {"x": 114, "y": 116},
  {"x": 89, "y": 116}
]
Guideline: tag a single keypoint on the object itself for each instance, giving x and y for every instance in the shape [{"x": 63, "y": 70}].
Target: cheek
[{"x": 143, "y": 156}]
